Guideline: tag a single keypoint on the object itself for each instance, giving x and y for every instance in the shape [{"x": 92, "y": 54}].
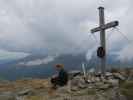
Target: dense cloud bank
[{"x": 62, "y": 26}]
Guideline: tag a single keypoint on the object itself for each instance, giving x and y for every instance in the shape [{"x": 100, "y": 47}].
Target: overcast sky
[{"x": 63, "y": 26}]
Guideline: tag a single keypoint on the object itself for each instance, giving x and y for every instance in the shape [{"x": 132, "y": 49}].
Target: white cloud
[
  {"x": 126, "y": 54},
  {"x": 7, "y": 55},
  {"x": 59, "y": 26},
  {"x": 38, "y": 61}
]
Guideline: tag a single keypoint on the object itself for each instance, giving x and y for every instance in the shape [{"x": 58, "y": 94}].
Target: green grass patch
[
  {"x": 126, "y": 89},
  {"x": 91, "y": 92}
]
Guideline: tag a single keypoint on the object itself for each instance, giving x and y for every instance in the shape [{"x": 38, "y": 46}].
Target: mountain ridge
[{"x": 14, "y": 70}]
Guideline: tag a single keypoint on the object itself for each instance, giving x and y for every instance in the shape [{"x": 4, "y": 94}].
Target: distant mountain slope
[
  {"x": 15, "y": 69},
  {"x": 42, "y": 66}
]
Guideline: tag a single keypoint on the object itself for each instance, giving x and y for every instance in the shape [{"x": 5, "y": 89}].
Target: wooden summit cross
[{"x": 102, "y": 27}]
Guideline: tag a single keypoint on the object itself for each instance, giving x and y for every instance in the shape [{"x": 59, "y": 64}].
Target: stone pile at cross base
[{"x": 95, "y": 87}]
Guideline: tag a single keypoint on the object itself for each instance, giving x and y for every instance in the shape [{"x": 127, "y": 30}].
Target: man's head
[{"x": 59, "y": 66}]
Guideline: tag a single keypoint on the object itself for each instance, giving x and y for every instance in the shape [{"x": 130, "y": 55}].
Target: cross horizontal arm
[
  {"x": 95, "y": 29},
  {"x": 106, "y": 26},
  {"x": 111, "y": 24}
]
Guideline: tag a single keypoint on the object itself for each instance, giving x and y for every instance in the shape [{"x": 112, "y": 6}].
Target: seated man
[{"x": 61, "y": 79}]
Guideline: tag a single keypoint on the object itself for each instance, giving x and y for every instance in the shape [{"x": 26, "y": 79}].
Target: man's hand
[{"x": 54, "y": 76}]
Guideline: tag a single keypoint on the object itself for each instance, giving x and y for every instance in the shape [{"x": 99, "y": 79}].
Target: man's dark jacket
[{"x": 62, "y": 77}]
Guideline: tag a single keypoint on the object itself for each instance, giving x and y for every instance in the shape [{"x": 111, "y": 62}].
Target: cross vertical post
[
  {"x": 102, "y": 38},
  {"x": 102, "y": 28}
]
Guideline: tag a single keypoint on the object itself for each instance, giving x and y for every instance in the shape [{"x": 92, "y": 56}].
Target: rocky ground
[{"x": 115, "y": 85}]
